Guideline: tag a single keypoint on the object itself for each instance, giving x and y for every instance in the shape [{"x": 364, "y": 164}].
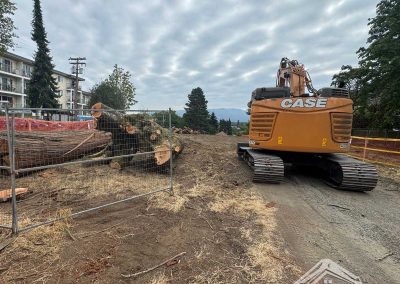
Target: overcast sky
[{"x": 228, "y": 48}]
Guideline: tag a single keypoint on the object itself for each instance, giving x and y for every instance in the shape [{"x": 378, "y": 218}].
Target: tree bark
[
  {"x": 43, "y": 148},
  {"x": 135, "y": 133}
]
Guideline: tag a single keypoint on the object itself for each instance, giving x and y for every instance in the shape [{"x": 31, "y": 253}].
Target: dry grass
[
  {"x": 42, "y": 244},
  {"x": 264, "y": 249},
  {"x": 172, "y": 202},
  {"x": 159, "y": 278},
  {"x": 80, "y": 187},
  {"x": 94, "y": 182}
]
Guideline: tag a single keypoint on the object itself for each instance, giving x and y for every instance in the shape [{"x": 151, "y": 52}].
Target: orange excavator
[{"x": 291, "y": 127}]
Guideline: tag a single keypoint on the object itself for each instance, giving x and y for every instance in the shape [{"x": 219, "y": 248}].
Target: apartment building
[{"x": 15, "y": 73}]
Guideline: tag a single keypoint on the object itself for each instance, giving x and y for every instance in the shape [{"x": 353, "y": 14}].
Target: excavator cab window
[
  {"x": 333, "y": 92},
  {"x": 271, "y": 93}
]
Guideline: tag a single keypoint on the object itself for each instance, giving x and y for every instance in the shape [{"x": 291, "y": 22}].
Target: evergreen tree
[
  {"x": 375, "y": 81},
  {"x": 42, "y": 86},
  {"x": 196, "y": 115},
  {"x": 229, "y": 127},
  {"x": 7, "y": 27},
  {"x": 213, "y": 124},
  {"x": 223, "y": 126}
]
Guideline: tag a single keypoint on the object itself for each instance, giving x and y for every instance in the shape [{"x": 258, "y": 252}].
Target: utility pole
[{"x": 77, "y": 63}]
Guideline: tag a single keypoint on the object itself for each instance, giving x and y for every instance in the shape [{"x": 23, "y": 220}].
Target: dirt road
[{"x": 360, "y": 231}]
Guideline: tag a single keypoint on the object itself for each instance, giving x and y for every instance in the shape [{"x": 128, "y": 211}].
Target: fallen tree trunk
[
  {"x": 136, "y": 133},
  {"x": 34, "y": 149}
]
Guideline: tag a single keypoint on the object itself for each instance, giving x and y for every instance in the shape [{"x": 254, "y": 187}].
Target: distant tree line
[
  {"x": 374, "y": 85},
  {"x": 197, "y": 117}
]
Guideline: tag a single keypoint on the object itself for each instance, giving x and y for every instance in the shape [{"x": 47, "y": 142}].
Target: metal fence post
[
  {"x": 171, "y": 152},
  {"x": 11, "y": 151}
]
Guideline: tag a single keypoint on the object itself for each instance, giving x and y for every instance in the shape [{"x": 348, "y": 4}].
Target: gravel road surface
[{"x": 360, "y": 231}]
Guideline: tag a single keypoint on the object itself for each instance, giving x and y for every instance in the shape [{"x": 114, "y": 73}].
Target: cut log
[
  {"x": 133, "y": 133},
  {"x": 7, "y": 193},
  {"x": 44, "y": 148},
  {"x": 162, "y": 154}
]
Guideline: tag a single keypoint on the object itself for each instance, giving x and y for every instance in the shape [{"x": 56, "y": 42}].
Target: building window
[
  {"x": 6, "y": 99},
  {"x": 25, "y": 87},
  {"x": 27, "y": 71},
  {"x": 6, "y": 84},
  {"x": 6, "y": 66},
  {"x": 60, "y": 79}
]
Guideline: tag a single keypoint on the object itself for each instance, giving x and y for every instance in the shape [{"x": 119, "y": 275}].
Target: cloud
[{"x": 226, "y": 47}]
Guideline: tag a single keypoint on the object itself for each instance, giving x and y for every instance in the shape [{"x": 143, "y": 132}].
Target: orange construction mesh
[{"x": 29, "y": 124}]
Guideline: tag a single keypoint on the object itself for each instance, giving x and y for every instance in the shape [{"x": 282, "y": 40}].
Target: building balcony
[
  {"x": 14, "y": 71},
  {"x": 71, "y": 87},
  {"x": 5, "y": 68},
  {"x": 83, "y": 103},
  {"x": 8, "y": 88},
  {"x": 17, "y": 90}
]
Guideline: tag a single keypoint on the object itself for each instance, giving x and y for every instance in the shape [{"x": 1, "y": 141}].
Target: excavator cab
[{"x": 287, "y": 124}]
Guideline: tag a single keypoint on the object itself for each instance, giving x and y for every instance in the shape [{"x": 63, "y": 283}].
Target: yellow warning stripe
[
  {"x": 373, "y": 161},
  {"x": 375, "y": 149},
  {"x": 376, "y": 139}
]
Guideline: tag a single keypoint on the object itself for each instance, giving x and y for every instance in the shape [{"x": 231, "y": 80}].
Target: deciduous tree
[
  {"x": 117, "y": 91},
  {"x": 375, "y": 83},
  {"x": 7, "y": 9}
]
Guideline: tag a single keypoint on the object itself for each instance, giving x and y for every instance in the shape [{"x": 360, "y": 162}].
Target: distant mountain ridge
[{"x": 234, "y": 114}]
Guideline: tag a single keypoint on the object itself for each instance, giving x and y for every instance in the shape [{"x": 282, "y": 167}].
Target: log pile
[
  {"x": 38, "y": 148},
  {"x": 135, "y": 133},
  {"x": 184, "y": 130}
]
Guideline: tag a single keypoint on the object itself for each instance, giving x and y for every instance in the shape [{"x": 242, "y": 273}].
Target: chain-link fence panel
[{"x": 73, "y": 162}]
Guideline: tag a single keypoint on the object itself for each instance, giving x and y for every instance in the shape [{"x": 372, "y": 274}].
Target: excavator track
[
  {"x": 266, "y": 167},
  {"x": 342, "y": 172},
  {"x": 350, "y": 174}
]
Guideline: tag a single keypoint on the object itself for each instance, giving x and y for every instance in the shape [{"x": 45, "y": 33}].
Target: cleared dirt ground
[
  {"x": 233, "y": 231},
  {"x": 227, "y": 230}
]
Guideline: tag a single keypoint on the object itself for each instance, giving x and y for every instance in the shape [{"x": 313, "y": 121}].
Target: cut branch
[{"x": 154, "y": 267}]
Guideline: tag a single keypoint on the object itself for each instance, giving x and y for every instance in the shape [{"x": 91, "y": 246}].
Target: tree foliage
[
  {"x": 213, "y": 124},
  {"x": 374, "y": 85},
  {"x": 225, "y": 126},
  {"x": 42, "y": 87},
  {"x": 196, "y": 115},
  {"x": 7, "y": 9},
  {"x": 117, "y": 91},
  {"x": 105, "y": 93},
  {"x": 162, "y": 118}
]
